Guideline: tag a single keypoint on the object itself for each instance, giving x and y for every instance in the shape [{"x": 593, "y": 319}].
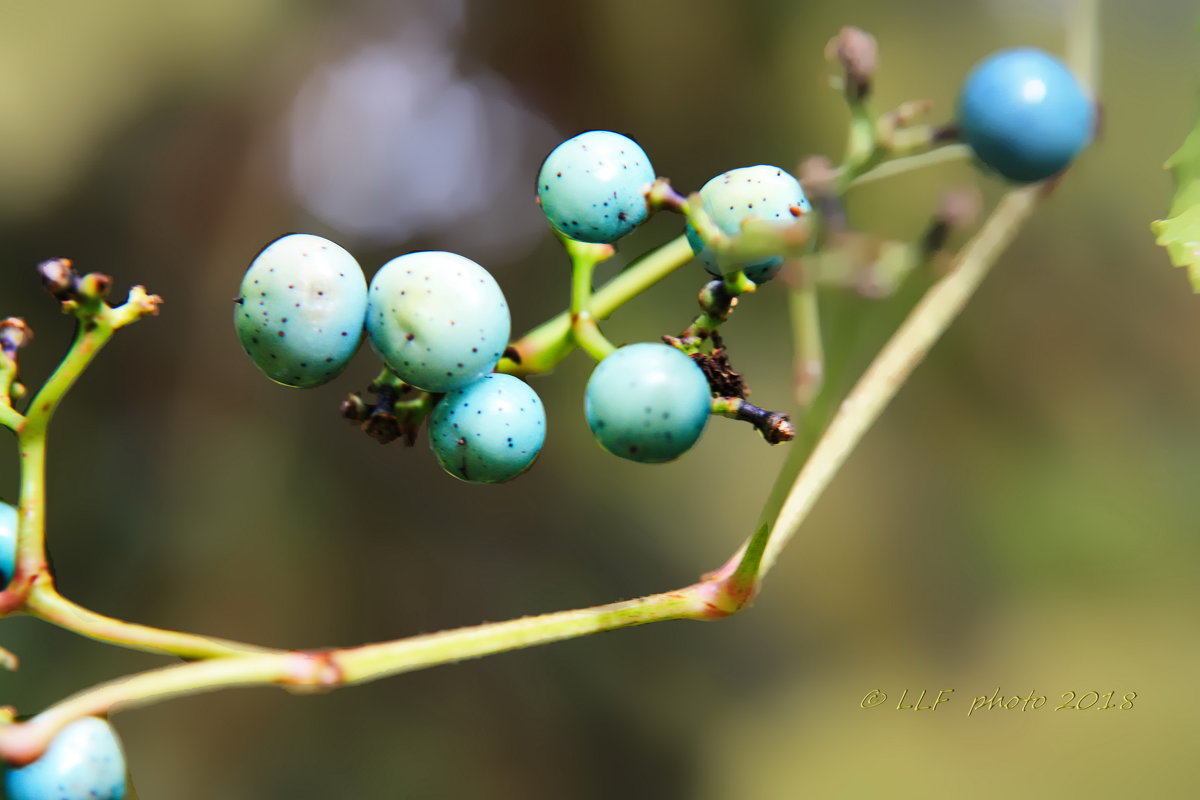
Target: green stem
[
  {"x": 862, "y": 149},
  {"x": 545, "y": 346},
  {"x": 717, "y": 595},
  {"x": 896, "y": 361},
  {"x": 1083, "y": 42},
  {"x": 387, "y": 379},
  {"x": 806, "y": 333},
  {"x": 46, "y": 603},
  {"x": 713, "y": 598},
  {"x": 898, "y": 166},
  {"x": 31, "y": 521},
  {"x": 10, "y": 417},
  {"x": 92, "y": 334},
  {"x": 585, "y": 331},
  {"x": 587, "y": 335}
]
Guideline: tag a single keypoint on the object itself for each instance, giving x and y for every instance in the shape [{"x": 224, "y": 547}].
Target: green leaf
[{"x": 1180, "y": 233}]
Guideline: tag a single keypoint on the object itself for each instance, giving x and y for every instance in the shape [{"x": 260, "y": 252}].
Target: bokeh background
[{"x": 1022, "y": 518}]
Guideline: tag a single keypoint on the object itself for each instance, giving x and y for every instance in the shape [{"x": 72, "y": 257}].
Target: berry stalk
[
  {"x": 542, "y": 348},
  {"x": 585, "y": 331}
]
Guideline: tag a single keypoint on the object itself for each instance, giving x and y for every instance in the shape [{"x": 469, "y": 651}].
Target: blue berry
[
  {"x": 647, "y": 402},
  {"x": 592, "y": 186},
  {"x": 84, "y": 762},
  {"x": 300, "y": 316},
  {"x": 763, "y": 192},
  {"x": 1024, "y": 115},
  {"x": 8, "y": 543},
  {"x": 437, "y": 319},
  {"x": 489, "y": 431}
]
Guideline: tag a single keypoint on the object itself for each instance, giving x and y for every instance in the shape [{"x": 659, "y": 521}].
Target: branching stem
[{"x": 718, "y": 594}]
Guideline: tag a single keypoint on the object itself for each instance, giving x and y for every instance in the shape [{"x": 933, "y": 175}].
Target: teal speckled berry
[
  {"x": 437, "y": 319},
  {"x": 763, "y": 192},
  {"x": 8, "y": 543},
  {"x": 592, "y": 186},
  {"x": 83, "y": 762},
  {"x": 1024, "y": 114},
  {"x": 489, "y": 431},
  {"x": 301, "y": 311},
  {"x": 647, "y": 402}
]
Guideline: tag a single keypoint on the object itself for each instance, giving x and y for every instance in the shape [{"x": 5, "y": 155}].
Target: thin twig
[{"x": 896, "y": 361}]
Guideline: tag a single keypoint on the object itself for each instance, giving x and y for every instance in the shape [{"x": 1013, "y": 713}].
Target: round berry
[
  {"x": 437, "y": 319},
  {"x": 301, "y": 311},
  {"x": 592, "y": 186},
  {"x": 1024, "y": 115},
  {"x": 647, "y": 402},
  {"x": 763, "y": 192},
  {"x": 8, "y": 543},
  {"x": 83, "y": 762},
  {"x": 489, "y": 431}
]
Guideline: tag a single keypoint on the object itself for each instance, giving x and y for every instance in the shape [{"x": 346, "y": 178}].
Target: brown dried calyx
[{"x": 722, "y": 378}]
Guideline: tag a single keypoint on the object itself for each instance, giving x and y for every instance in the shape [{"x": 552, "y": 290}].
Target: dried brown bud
[
  {"x": 353, "y": 408},
  {"x": 778, "y": 428},
  {"x": 384, "y": 428},
  {"x": 818, "y": 176},
  {"x": 58, "y": 277},
  {"x": 14, "y": 334},
  {"x": 959, "y": 207},
  {"x": 856, "y": 51},
  {"x": 956, "y": 209},
  {"x": 94, "y": 285}
]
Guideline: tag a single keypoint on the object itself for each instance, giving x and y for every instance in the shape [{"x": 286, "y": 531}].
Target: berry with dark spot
[
  {"x": 762, "y": 192},
  {"x": 437, "y": 319},
  {"x": 647, "y": 402},
  {"x": 83, "y": 762},
  {"x": 301, "y": 310},
  {"x": 489, "y": 431},
  {"x": 592, "y": 186}
]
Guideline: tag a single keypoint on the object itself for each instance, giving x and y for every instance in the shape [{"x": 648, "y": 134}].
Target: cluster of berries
[{"x": 440, "y": 323}]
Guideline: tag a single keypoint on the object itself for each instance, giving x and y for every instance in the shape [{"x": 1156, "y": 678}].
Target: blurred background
[{"x": 1023, "y": 517}]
